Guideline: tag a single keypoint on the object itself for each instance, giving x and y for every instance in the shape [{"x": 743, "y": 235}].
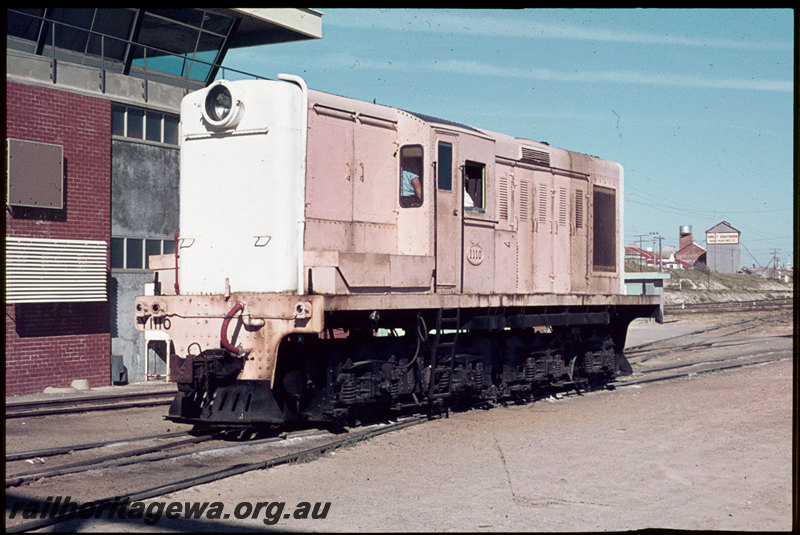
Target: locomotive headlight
[
  {"x": 219, "y": 103},
  {"x": 222, "y": 109}
]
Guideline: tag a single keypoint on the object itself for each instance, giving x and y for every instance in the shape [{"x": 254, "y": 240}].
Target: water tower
[{"x": 685, "y": 234}]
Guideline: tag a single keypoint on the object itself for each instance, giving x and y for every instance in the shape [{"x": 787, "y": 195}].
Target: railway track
[
  {"x": 63, "y": 450},
  {"x": 704, "y": 337},
  {"x": 691, "y": 369},
  {"x": 27, "y": 409},
  {"x": 761, "y": 305},
  {"x": 165, "y": 446},
  {"x": 158, "y": 450},
  {"x": 162, "y": 464},
  {"x": 241, "y": 457},
  {"x": 176, "y": 470},
  {"x": 733, "y": 344}
]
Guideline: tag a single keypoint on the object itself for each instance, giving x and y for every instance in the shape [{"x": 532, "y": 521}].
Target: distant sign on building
[
  {"x": 722, "y": 255},
  {"x": 722, "y": 237}
]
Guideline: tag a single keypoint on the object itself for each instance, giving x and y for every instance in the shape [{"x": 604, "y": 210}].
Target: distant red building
[
  {"x": 689, "y": 252},
  {"x": 639, "y": 256}
]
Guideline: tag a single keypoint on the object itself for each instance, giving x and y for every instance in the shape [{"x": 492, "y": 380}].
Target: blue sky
[{"x": 696, "y": 104}]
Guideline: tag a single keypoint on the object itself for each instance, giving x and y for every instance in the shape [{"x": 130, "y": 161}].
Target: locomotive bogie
[{"x": 338, "y": 257}]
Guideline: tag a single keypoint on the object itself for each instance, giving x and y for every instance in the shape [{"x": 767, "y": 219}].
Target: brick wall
[
  {"x": 50, "y": 344},
  {"x": 685, "y": 240}
]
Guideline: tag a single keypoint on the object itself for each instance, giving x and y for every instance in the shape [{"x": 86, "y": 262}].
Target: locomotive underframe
[{"x": 329, "y": 362}]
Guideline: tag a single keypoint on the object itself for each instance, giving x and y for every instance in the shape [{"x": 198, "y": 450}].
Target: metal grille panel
[
  {"x": 46, "y": 271},
  {"x": 534, "y": 156}
]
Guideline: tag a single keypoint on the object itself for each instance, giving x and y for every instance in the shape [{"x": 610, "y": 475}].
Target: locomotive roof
[
  {"x": 431, "y": 119},
  {"x": 506, "y": 145},
  {"x": 331, "y": 98}
]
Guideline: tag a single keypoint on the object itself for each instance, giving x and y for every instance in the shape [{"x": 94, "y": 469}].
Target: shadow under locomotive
[{"x": 401, "y": 360}]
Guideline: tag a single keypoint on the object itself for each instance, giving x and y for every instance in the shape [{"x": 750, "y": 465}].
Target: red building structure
[
  {"x": 48, "y": 343},
  {"x": 689, "y": 252}
]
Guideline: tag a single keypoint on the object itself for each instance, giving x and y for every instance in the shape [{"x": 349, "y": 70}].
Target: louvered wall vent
[
  {"x": 49, "y": 271},
  {"x": 502, "y": 197},
  {"x": 534, "y": 156}
]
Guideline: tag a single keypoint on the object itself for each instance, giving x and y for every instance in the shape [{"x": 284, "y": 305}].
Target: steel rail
[
  {"x": 729, "y": 306},
  {"x": 86, "y": 404},
  {"x": 140, "y": 456},
  {"x": 635, "y": 359},
  {"x": 106, "y": 461},
  {"x": 61, "y": 450},
  {"x": 691, "y": 373},
  {"x": 216, "y": 475}
]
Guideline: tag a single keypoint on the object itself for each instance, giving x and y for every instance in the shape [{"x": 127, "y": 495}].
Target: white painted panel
[{"x": 239, "y": 192}]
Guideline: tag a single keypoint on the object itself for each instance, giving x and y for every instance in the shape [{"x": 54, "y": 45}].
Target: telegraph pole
[
  {"x": 657, "y": 236},
  {"x": 775, "y": 263},
  {"x": 641, "y": 257}
]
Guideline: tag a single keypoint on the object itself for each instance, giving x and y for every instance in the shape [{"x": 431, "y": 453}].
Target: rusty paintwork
[{"x": 194, "y": 322}]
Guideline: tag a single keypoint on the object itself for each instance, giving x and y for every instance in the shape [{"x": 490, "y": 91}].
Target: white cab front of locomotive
[{"x": 242, "y": 175}]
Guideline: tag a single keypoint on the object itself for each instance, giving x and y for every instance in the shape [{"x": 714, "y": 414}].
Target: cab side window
[
  {"x": 411, "y": 176},
  {"x": 445, "y": 167},
  {"x": 474, "y": 185}
]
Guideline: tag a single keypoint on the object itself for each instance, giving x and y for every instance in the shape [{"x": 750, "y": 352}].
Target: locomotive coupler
[
  {"x": 209, "y": 393},
  {"x": 205, "y": 371}
]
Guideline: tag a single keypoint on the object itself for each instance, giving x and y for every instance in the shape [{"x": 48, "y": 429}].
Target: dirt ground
[{"x": 711, "y": 452}]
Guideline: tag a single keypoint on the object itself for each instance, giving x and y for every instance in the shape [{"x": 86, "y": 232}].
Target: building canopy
[{"x": 185, "y": 42}]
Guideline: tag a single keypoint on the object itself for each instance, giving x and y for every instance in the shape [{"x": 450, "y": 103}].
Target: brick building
[
  {"x": 92, "y": 100},
  {"x": 689, "y": 252},
  {"x": 49, "y": 338}
]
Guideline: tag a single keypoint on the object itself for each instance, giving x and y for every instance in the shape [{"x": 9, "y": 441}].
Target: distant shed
[
  {"x": 647, "y": 283},
  {"x": 722, "y": 253}
]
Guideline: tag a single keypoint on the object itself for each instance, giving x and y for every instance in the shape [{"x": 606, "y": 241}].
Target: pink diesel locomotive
[{"x": 338, "y": 257}]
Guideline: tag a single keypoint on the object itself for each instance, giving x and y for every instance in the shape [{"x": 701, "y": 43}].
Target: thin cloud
[
  {"x": 624, "y": 77},
  {"x": 503, "y": 23}
]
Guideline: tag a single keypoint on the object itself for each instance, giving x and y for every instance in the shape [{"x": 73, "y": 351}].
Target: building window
[
  {"x": 117, "y": 120},
  {"x": 411, "y": 177},
  {"x": 134, "y": 259},
  {"x": 474, "y": 186},
  {"x": 183, "y": 42},
  {"x": 134, "y": 121},
  {"x": 117, "y": 253},
  {"x": 198, "y": 34},
  {"x": 134, "y": 253},
  {"x": 146, "y": 125},
  {"x": 154, "y": 126},
  {"x": 171, "y": 129}
]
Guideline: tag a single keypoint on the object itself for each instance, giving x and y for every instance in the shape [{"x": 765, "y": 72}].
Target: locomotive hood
[{"x": 241, "y": 216}]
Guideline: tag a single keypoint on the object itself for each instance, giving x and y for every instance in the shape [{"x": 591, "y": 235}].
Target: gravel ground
[{"x": 711, "y": 452}]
